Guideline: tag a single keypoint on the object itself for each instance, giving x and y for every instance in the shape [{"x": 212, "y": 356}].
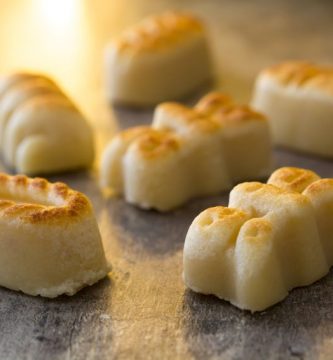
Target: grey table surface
[{"x": 142, "y": 310}]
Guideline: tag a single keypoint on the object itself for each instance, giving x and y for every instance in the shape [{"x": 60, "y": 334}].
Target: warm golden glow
[
  {"x": 48, "y": 36},
  {"x": 58, "y": 13},
  {"x": 60, "y": 38}
]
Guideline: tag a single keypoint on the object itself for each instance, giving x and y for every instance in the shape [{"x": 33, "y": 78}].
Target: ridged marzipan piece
[{"x": 270, "y": 239}]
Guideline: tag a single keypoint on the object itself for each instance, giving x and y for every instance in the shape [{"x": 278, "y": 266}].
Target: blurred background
[{"x": 66, "y": 39}]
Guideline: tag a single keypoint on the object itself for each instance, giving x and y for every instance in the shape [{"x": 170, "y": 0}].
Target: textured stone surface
[{"x": 143, "y": 310}]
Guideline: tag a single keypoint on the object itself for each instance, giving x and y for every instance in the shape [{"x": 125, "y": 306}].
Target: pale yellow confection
[
  {"x": 297, "y": 98},
  {"x": 187, "y": 152},
  {"x": 50, "y": 243},
  {"x": 271, "y": 238},
  {"x": 164, "y": 57},
  {"x": 41, "y": 130}
]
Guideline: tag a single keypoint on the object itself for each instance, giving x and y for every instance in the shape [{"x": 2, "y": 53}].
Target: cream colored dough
[
  {"x": 50, "y": 243},
  {"x": 271, "y": 238},
  {"x": 16, "y": 95},
  {"x": 297, "y": 98},
  {"x": 41, "y": 131},
  {"x": 162, "y": 58},
  {"x": 187, "y": 152}
]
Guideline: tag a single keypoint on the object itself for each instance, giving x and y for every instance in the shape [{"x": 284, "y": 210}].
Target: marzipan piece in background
[{"x": 187, "y": 152}]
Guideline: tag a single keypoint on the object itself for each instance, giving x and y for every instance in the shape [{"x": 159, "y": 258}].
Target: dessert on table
[
  {"x": 297, "y": 98},
  {"x": 271, "y": 238},
  {"x": 163, "y": 57},
  {"x": 41, "y": 130},
  {"x": 187, "y": 152},
  {"x": 50, "y": 243}
]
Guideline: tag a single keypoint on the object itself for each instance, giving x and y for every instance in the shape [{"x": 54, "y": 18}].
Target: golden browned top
[
  {"x": 236, "y": 114},
  {"x": 219, "y": 213},
  {"x": 213, "y": 112},
  {"x": 255, "y": 186},
  {"x": 174, "y": 123},
  {"x": 220, "y": 107},
  {"x": 17, "y": 78},
  {"x": 303, "y": 74},
  {"x": 158, "y": 32},
  {"x": 269, "y": 193},
  {"x": 131, "y": 134},
  {"x": 156, "y": 144},
  {"x": 34, "y": 86},
  {"x": 258, "y": 231},
  {"x": 287, "y": 187},
  {"x": 36, "y": 90},
  {"x": 36, "y": 201},
  {"x": 181, "y": 114},
  {"x": 293, "y": 179},
  {"x": 319, "y": 186},
  {"x": 227, "y": 220},
  {"x": 300, "y": 185},
  {"x": 213, "y": 101}
]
